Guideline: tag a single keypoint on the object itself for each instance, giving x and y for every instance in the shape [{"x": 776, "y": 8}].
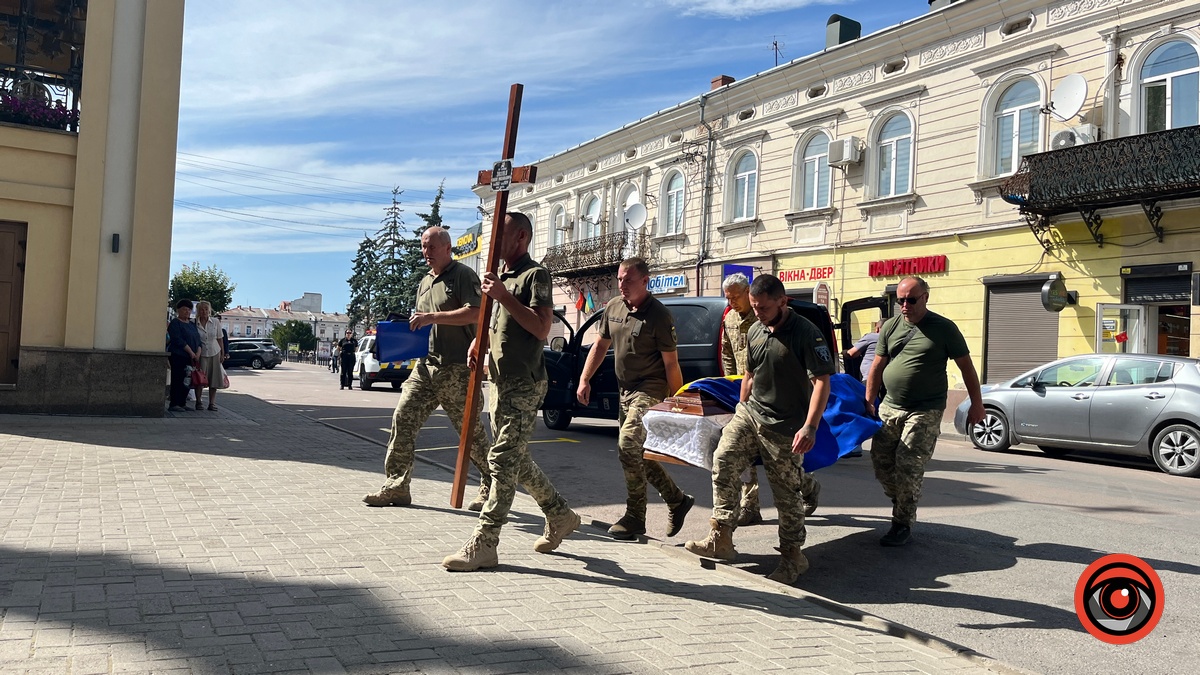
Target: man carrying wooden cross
[
  {"x": 783, "y": 397},
  {"x": 517, "y": 372}
]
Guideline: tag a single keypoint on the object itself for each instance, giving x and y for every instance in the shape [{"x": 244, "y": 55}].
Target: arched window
[
  {"x": 558, "y": 226},
  {"x": 814, "y": 173},
  {"x": 1171, "y": 87},
  {"x": 1018, "y": 125},
  {"x": 893, "y": 166},
  {"x": 744, "y": 187},
  {"x": 590, "y": 219},
  {"x": 672, "y": 204}
]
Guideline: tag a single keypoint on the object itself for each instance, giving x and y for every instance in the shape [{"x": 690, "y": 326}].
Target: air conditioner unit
[
  {"x": 844, "y": 151},
  {"x": 564, "y": 225},
  {"x": 1069, "y": 138}
]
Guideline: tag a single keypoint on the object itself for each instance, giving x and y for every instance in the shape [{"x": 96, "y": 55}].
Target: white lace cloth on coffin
[{"x": 690, "y": 438}]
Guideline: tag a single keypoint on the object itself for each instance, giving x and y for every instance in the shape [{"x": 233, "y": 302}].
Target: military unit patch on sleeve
[
  {"x": 541, "y": 293},
  {"x": 823, "y": 353}
]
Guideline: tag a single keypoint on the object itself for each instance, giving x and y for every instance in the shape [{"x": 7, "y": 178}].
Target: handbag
[{"x": 199, "y": 378}]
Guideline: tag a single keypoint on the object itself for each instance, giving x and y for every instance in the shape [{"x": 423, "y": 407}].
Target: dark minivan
[{"x": 698, "y": 328}]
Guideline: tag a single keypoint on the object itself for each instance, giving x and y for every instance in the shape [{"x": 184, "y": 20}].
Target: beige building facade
[
  {"x": 85, "y": 210},
  {"x": 913, "y": 150}
]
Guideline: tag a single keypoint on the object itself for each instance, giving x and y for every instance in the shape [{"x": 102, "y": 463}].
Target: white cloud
[{"x": 740, "y": 9}]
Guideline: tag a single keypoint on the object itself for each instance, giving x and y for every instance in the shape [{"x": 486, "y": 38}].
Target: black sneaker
[
  {"x": 627, "y": 528},
  {"x": 897, "y": 536},
  {"x": 677, "y": 513}
]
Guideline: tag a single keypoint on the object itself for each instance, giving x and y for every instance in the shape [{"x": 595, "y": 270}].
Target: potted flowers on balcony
[{"x": 36, "y": 111}]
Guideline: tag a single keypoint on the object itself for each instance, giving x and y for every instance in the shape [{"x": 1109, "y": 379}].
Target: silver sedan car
[{"x": 1131, "y": 404}]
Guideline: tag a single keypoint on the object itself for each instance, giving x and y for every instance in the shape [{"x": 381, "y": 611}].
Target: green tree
[
  {"x": 363, "y": 278},
  {"x": 197, "y": 283},
  {"x": 400, "y": 263},
  {"x": 292, "y": 330}
]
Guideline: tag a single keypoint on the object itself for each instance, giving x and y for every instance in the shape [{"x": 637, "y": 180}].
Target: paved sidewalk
[{"x": 235, "y": 542}]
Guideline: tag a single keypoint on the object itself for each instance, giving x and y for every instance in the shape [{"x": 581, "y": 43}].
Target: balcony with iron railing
[
  {"x": 41, "y": 62},
  {"x": 596, "y": 255},
  {"x": 1145, "y": 169}
]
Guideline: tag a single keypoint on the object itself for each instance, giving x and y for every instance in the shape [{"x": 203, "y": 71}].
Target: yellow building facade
[
  {"x": 85, "y": 210},
  {"x": 906, "y": 151}
]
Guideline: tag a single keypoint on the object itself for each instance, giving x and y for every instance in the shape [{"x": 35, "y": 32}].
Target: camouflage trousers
[
  {"x": 513, "y": 403},
  {"x": 426, "y": 388},
  {"x": 631, "y": 441},
  {"x": 742, "y": 440},
  {"x": 750, "y": 489},
  {"x": 899, "y": 453}
]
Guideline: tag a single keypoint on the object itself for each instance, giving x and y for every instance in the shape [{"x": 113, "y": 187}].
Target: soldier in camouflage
[
  {"x": 448, "y": 299},
  {"x": 783, "y": 397},
  {"x": 642, "y": 334},
  {"x": 917, "y": 344},
  {"x": 517, "y": 371}
]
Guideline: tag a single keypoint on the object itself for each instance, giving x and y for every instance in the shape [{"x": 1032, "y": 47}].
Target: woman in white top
[{"x": 212, "y": 353}]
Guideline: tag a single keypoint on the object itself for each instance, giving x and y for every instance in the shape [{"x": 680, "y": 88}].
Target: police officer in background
[
  {"x": 642, "y": 333},
  {"x": 347, "y": 348},
  {"x": 448, "y": 299},
  {"x": 517, "y": 371},
  {"x": 783, "y": 397}
]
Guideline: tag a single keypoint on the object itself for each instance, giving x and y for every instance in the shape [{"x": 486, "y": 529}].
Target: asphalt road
[{"x": 1001, "y": 542}]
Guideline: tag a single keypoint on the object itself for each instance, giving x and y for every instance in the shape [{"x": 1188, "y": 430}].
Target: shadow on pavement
[{"x": 217, "y": 622}]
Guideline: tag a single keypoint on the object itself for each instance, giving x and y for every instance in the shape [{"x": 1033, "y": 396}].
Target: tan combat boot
[
  {"x": 474, "y": 555},
  {"x": 557, "y": 528},
  {"x": 792, "y": 564},
  {"x": 397, "y": 496},
  {"x": 719, "y": 543},
  {"x": 476, "y": 504}
]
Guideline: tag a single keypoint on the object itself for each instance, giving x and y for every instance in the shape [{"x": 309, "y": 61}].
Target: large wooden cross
[{"x": 500, "y": 177}]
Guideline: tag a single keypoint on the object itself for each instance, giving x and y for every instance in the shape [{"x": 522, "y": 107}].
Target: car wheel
[
  {"x": 396, "y": 386},
  {"x": 992, "y": 433},
  {"x": 1176, "y": 450},
  {"x": 363, "y": 382},
  {"x": 1051, "y": 451},
  {"x": 257, "y": 363},
  {"x": 556, "y": 419}
]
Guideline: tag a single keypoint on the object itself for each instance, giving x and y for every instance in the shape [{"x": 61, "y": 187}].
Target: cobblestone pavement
[{"x": 235, "y": 542}]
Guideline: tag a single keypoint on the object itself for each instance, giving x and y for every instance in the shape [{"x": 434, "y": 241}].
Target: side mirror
[
  {"x": 1037, "y": 386},
  {"x": 558, "y": 344}
]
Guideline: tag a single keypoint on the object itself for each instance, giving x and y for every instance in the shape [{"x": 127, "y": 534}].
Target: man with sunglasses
[{"x": 910, "y": 360}]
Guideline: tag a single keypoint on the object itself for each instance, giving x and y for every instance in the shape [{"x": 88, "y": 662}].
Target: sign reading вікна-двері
[{"x": 665, "y": 283}]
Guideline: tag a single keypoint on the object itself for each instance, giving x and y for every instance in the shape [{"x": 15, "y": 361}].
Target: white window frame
[
  {"x": 673, "y": 203},
  {"x": 880, "y": 146},
  {"x": 800, "y": 201},
  {"x": 558, "y": 219},
  {"x": 1136, "y": 72},
  {"x": 589, "y": 223},
  {"x": 1014, "y": 140},
  {"x": 740, "y": 184}
]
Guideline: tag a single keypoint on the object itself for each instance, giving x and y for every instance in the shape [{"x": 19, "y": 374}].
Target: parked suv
[
  {"x": 698, "y": 329},
  {"x": 257, "y": 354},
  {"x": 369, "y": 370}
]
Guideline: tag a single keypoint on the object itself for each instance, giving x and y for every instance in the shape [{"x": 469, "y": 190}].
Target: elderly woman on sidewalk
[{"x": 212, "y": 353}]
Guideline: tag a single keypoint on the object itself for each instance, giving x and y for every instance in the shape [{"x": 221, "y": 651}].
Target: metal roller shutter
[
  {"x": 1021, "y": 334},
  {"x": 1177, "y": 288}
]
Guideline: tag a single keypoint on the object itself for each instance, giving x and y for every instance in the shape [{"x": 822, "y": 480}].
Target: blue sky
[{"x": 298, "y": 117}]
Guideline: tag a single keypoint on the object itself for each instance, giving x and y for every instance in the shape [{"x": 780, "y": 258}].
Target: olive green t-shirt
[
  {"x": 515, "y": 352},
  {"x": 456, "y": 287},
  {"x": 915, "y": 378},
  {"x": 639, "y": 339},
  {"x": 784, "y": 361}
]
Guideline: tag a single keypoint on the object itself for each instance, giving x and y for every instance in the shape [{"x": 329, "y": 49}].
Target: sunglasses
[{"x": 910, "y": 300}]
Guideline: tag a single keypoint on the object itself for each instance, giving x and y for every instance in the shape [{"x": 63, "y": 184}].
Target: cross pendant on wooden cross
[{"x": 502, "y": 175}]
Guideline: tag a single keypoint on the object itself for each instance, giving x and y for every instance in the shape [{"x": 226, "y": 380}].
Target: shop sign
[
  {"x": 821, "y": 294},
  {"x": 806, "y": 274},
  {"x": 665, "y": 283},
  {"x": 905, "y": 266},
  {"x": 1055, "y": 295},
  {"x": 468, "y": 244}
]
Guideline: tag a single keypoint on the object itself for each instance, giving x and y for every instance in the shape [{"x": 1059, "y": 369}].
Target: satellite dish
[
  {"x": 1068, "y": 97},
  {"x": 635, "y": 216}
]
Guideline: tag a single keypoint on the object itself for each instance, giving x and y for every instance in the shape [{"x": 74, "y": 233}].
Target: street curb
[{"x": 876, "y": 622}]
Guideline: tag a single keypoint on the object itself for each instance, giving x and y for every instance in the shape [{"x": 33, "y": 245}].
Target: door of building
[
  {"x": 12, "y": 281},
  {"x": 1120, "y": 329},
  {"x": 1021, "y": 335}
]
